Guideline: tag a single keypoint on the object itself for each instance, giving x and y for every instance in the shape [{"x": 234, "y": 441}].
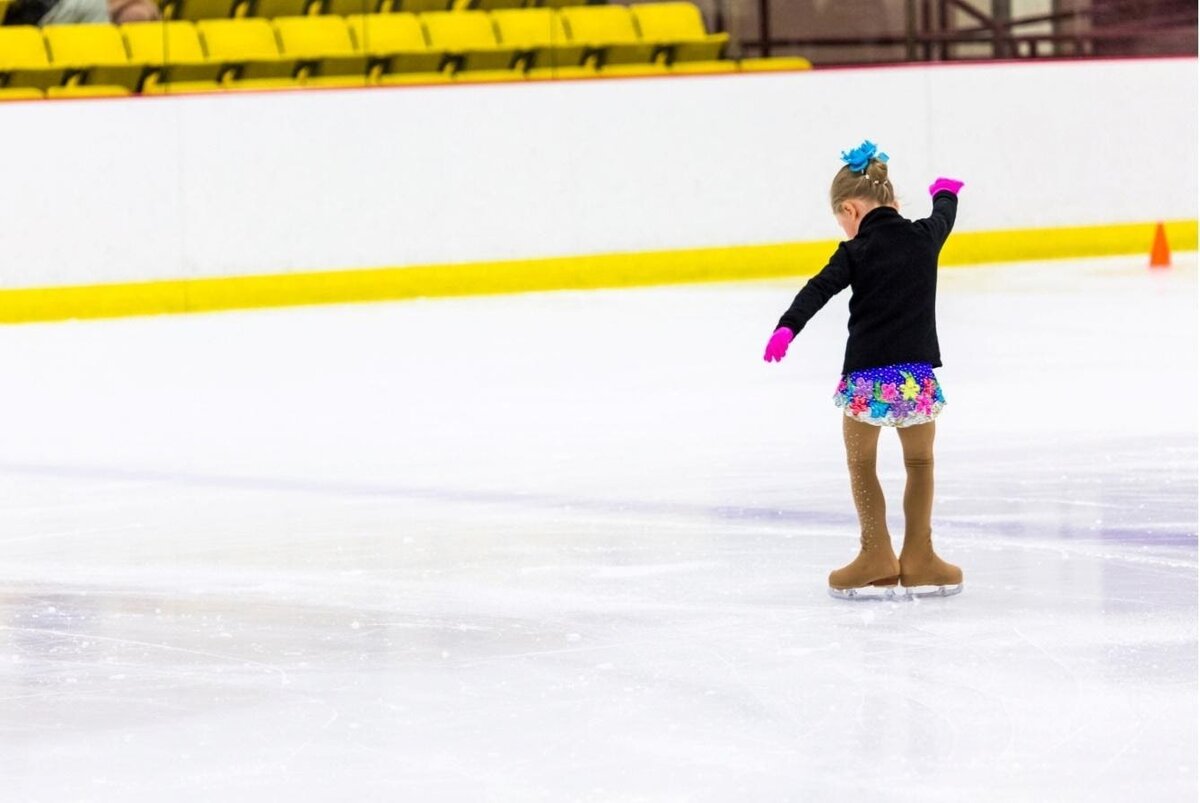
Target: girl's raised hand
[
  {"x": 777, "y": 346},
  {"x": 942, "y": 183}
]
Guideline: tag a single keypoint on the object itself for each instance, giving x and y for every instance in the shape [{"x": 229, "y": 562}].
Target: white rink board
[{"x": 154, "y": 188}]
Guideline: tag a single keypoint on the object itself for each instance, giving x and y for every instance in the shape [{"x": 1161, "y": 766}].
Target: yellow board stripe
[
  {"x": 1064, "y": 243},
  {"x": 561, "y": 273}
]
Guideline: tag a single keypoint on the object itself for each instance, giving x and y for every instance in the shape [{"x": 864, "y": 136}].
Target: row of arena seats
[
  {"x": 218, "y": 9},
  {"x": 357, "y": 49},
  {"x": 212, "y": 9},
  {"x": 367, "y": 80}
]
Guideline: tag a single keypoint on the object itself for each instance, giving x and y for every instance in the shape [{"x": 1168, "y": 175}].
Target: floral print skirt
[{"x": 892, "y": 396}]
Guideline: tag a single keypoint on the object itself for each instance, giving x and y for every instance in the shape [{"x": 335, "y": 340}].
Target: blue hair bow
[{"x": 860, "y": 158}]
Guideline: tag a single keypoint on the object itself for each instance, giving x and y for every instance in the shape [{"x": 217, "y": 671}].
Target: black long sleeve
[
  {"x": 833, "y": 279},
  {"x": 891, "y": 268},
  {"x": 941, "y": 221}
]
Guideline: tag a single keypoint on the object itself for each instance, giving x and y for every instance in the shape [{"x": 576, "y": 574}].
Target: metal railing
[{"x": 932, "y": 31}]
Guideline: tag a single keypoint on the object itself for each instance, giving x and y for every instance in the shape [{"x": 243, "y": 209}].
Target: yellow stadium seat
[
  {"x": 93, "y": 54},
  {"x": 24, "y": 61},
  {"x": 337, "y": 81},
  {"x": 271, "y": 9},
  {"x": 470, "y": 38},
  {"x": 420, "y": 6},
  {"x": 209, "y": 87},
  {"x": 205, "y": 9},
  {"x": 779, "y": 63},
  {"x": 539, "y": 36},
  {"x": 489, "y": 76},
  {"x": 246, "y": 47},
  {"x": 632, "y": 70},
  {"x": 182, "y": 88},
  {"x": 23, "y": 93},
  {"x": 3, "y": 8},
  {"x": 323, "y": 42},
  {"x": 562, "y": 3},
  {"x": 396, "y": 42},
  {"x": 206, "y": 87},
  {"x": 610, "y": 30},
  {"x": 680, "y": 26},
  {"x": 704, "y": 67},
  {"x": 346, "y": 8},
  {"x": 561, "y": 73},
  {"x": 171, "y": 51},
  {"x": 88, "y": 91},
  {"x": 263, "y": 84},
  {"x": 415, "y": 78}
]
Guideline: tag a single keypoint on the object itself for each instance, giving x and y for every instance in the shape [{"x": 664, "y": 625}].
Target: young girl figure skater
[{"x": 890, "y": 263}]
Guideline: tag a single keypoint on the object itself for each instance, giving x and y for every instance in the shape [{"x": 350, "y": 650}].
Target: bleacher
[{"x": 222, "y": 45}]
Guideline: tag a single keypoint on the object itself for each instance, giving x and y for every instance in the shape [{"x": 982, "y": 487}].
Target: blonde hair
[{"x": 871, "y": 184}]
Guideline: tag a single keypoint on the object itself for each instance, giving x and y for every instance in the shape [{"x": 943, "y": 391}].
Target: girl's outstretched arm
[
  {"x": 945, "y": 208},
  {"x": 833, "y": 279}
]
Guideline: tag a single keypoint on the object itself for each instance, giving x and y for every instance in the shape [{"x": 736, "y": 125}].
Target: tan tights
[{"x": 877, "y": 563}]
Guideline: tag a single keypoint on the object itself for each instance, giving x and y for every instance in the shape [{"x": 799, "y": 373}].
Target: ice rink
[{"x": 573, "y": 547}]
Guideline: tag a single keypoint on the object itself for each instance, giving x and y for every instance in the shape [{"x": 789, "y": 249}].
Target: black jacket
[{"x": 891, "y": 268}]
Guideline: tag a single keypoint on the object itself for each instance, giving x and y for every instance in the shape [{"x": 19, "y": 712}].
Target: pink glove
[
  {"x": 777, "y": 345},
  {"x": 951, "y": 184}
]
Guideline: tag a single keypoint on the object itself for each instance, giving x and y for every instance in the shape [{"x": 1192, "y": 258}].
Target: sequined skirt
[{"x": 892, "y": 396}]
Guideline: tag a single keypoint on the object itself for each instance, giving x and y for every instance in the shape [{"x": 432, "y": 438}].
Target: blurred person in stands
[
  {"x": 56, "y": 12},
  {"x": 122, "y": 11},
  {"x": 65, "y": 12}
]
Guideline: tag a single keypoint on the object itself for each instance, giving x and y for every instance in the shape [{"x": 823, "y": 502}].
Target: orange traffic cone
[{"x": 1160, "y": 253}]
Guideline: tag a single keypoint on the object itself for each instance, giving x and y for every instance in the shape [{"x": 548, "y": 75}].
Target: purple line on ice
[{"x": 1164, "y": 536}]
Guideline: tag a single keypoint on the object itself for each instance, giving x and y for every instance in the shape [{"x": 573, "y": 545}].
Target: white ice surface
[{"x": 573, "y": 547}]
